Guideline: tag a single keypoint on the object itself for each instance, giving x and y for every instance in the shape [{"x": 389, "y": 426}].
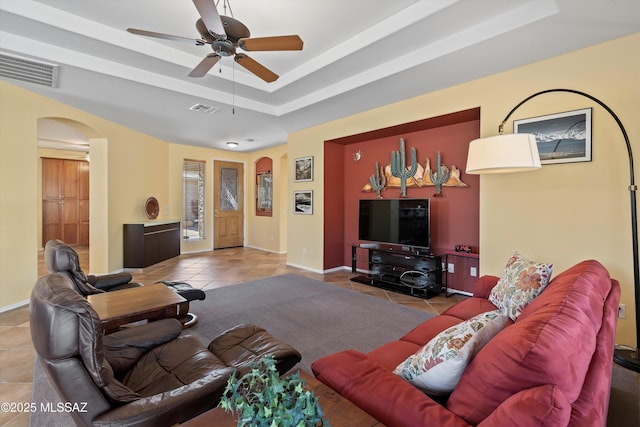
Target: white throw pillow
[
  {"x": 521, "y": 281},
  {"x": 437, "y": 367}
]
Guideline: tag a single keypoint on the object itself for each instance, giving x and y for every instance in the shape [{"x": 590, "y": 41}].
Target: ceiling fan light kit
[{"x": 225, "y": 34}]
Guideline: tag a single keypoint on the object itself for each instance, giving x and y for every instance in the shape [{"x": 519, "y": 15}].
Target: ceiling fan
[{"x": 225, "y": 34}]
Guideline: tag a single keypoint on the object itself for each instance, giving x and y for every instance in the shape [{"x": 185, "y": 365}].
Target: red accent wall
[
  {"x": 334, "y": 205},
  {"x": 454, "y": 217}
]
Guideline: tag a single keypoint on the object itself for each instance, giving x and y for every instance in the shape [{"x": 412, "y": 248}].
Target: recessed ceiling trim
[
  {"x": 57, "y": 18},
  {"x": 99, "y": 65},
  {"x": 526, "y": 14},
  {"x": 412, "y": 14},
  {"x": 87, "y": 28}
]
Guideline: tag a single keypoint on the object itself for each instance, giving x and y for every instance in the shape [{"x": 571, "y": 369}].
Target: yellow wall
[
  {"x": 174, "y": 180},
  {"x": 305, "y": 233},
  {"x": 133, "y": 165},
  {"x": 127, "y": 167},
  {"x": 562, "y": 214},
  {"x": 18, "y": 196},
  {"x": 270, "y": 227},
  {"x": 260, "y": 232}
]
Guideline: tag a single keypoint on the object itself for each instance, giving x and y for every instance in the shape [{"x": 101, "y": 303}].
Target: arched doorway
[{"x": 74, "y": 157}]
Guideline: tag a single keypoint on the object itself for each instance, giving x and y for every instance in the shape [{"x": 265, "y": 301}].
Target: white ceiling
[{"x": 358, "y": 55}]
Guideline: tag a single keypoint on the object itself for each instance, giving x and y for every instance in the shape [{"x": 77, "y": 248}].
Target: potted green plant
[{"x": 261, "y": 398}]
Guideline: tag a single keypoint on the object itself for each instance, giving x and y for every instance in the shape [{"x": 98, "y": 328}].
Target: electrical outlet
[
  {"x": 622, "y": 311},
  {"x": 473, "y": 272},
  {"x": 451, "y": 268}
]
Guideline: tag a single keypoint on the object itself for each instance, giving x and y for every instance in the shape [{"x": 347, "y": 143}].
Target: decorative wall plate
[{"x": 152, "y": 208}]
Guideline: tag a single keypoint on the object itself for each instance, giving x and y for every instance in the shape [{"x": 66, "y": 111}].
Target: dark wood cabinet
[
  {"x": 148, "y": 243},
  {"x": 409, "y": 272},
  {"x": 461, "y": 272}
]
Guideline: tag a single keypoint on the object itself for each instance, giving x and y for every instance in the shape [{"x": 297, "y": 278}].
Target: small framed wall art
[
  {"x": 303, "y": 168},
  {"x": 303, "y": 202},
  {"x": 562, "y": 137}
]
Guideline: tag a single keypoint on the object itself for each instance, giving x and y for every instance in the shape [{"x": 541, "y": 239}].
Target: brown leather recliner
[
  {"x": 148, "y": 375},
  {"x": 59, "y": 257}
]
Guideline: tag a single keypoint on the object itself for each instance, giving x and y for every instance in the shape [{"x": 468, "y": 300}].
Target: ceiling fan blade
[
  {"x": 210, "y": 17},
  {"x": 198, "y": 42},
  {"x": 271, "y": 43},
  {"x": 256, "y": 68},
  {"x": 205, "y": 65}
]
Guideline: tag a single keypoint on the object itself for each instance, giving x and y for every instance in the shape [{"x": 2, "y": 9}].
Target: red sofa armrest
[
  {"x": 380, "y": 393},
  {"x": 483, "y": 286},
  {"x": 543, "y": 405}
]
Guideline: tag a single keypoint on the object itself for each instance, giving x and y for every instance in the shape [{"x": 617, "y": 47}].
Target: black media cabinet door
[{"x": 147, "y": 244}]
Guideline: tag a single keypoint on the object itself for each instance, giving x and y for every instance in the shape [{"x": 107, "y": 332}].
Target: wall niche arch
[{"x": 264, "y": 186}]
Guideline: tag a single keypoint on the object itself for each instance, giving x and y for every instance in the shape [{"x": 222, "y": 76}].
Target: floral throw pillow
[
  {"x": 437, "y": 367},
  {"x": 521, "y": 281}
]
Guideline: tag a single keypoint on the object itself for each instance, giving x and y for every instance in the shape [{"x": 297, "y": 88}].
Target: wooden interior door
[
  {"x": 83, "y": 210},
  {"x": 65, "y": 201},
  {"x": 228, "y": 204}
]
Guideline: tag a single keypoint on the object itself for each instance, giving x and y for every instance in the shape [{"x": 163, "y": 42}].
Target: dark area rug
[{"x": 314, "y": 317}]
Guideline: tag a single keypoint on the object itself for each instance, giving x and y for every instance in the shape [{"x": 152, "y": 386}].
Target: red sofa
[{"x": 552, "y": 367}]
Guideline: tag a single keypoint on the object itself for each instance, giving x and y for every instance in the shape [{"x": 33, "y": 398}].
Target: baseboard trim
[
  {"x": 336, "y": 269},
  {"x": 14, "y": 306},
  {"x": 266, "y": 250},
  {"x": 196, "y": 252},
  {"x": 304, "y": 267}
]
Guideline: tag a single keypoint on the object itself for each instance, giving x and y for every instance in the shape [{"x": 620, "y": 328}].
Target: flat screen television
[{"x": 395, "y": 221}]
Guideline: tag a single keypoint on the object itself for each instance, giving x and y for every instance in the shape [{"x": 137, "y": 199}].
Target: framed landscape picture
[
  {"x": 562, "y": 137},
  {"x": 303, "y": 202},
  {"x": 303, "y": 168}
]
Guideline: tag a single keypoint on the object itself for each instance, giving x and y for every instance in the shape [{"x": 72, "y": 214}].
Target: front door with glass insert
[{"x": 228, "y": 218}]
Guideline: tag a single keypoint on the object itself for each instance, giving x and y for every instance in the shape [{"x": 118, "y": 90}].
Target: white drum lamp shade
[{"x": 516, "y": 152}]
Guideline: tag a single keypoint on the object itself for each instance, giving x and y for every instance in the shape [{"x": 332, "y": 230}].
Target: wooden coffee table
[
  {"x": 338, "y": 410},
  {"x": 150, "y": 302}
]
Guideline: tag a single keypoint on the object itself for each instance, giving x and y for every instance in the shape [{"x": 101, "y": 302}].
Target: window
[{"x": 193, "y": 199}]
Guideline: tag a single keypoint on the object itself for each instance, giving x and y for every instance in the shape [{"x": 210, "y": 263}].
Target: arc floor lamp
[{"x": 519, "y": 153}]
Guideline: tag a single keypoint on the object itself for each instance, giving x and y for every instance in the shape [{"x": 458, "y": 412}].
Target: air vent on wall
[
  {"x": 28, "y": 70},
  {"x": 204, "y": 108}
]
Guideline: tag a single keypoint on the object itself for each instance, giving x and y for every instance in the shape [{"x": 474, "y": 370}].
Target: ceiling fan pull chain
[{"x": 225, "y": 5}]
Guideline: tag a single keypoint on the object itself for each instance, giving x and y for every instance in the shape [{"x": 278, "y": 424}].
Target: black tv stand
[{"x": 408, "y": 270}]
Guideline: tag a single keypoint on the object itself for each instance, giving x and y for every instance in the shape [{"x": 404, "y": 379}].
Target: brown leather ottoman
[{"x": 245, "y": 344}]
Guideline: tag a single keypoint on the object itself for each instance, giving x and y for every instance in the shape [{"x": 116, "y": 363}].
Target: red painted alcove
[{"x": 454, "y": 217}]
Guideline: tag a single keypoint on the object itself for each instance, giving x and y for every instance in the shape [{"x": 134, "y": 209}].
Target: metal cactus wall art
[
  {"x": 378, "y": 181},
  {"x": 397, "y": 175},
  {"x": 440, "y": 176},
  {"x": 399, "y": 166}
]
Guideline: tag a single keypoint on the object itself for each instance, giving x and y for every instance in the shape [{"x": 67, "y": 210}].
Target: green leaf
[{"x": 263, "y": 399}]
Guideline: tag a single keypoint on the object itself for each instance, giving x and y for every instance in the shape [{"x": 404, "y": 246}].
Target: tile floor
[{"x": 203, "y": 270}]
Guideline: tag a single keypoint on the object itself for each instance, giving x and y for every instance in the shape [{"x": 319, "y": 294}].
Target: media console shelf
[
  {"x": 401, "y": 269},
  {"x": 147, "y": 243}
]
